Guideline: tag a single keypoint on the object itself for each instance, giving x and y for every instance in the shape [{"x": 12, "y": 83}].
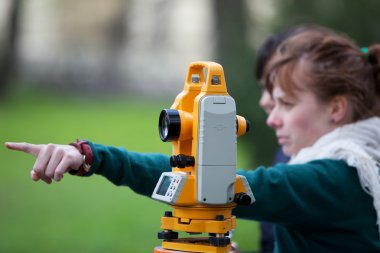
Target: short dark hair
[{"x": 267, "y": 49}]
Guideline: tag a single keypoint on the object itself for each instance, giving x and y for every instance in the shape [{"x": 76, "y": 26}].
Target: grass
[{"x": 82, "y": 214}]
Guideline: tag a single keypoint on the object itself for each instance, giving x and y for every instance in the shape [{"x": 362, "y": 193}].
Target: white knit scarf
[{"x": 358, "y": 144}]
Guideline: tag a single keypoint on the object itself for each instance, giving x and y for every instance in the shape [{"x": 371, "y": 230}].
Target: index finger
[{"x": 29, "y": 148}]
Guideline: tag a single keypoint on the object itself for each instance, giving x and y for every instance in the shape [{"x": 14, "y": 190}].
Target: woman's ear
[{"x": 339, "y": 109}]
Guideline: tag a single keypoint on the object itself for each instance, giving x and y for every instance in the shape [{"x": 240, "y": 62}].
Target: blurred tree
[
  {"x": 358, "y": 19},
  {"x": 237, "y": 59},
  {"x": 9, "y": 43}
]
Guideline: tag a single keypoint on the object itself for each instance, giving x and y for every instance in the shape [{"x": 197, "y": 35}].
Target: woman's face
[
  {"x": 298, "y": 120},
  {"x": 266, "y": 102}
]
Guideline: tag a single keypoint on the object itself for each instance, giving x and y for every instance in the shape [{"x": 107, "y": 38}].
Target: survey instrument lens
[{"x": 169, "y": 125}]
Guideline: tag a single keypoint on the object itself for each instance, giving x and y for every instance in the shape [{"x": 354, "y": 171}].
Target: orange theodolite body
[{"x": 188, "y": 127}]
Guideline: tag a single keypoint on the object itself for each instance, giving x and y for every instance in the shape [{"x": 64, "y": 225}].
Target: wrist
[{"x": 87, "y": 157}]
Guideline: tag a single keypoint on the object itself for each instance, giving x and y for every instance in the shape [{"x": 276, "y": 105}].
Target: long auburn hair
[{"x": 331, "y": 65}]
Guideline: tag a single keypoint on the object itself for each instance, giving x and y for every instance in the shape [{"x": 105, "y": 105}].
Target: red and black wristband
[{"x": 85, "y": 149}]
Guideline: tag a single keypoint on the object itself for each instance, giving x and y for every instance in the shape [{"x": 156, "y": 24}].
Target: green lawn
[{"x": 82, "y": 214}]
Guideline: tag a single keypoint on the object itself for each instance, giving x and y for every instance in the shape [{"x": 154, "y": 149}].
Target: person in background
[
  {"x": 264, "y": 54},
  {"x": 326, "y": 93}
]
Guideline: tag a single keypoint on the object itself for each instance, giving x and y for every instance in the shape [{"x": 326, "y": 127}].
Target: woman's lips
[{"x": 282, "y": 140}]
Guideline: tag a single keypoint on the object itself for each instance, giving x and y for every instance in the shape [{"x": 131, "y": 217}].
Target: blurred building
[{"x": 114, "y": 45}]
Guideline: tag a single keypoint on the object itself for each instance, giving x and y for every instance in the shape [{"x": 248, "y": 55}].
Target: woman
[
  {"x": 322, "y": 84},
  {"x": 326, "y": 93},
  {"x": 264, "y": 54}
]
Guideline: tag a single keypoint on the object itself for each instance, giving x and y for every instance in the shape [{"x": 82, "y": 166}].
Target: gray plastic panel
[
  {"x": 216, "y": 162},
  {"x": 217, "y": 131}
]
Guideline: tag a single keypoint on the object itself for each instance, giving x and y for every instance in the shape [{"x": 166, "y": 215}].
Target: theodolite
[{"x": 203, "y": 187}]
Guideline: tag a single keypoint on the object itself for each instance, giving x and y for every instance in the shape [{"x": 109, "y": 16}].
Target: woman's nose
[
  {"x": 273, "y": 120},
  {"x": 266, "y": 102}
]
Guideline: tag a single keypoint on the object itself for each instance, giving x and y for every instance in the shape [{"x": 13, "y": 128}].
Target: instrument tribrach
[{"x": 203, "y": 187}]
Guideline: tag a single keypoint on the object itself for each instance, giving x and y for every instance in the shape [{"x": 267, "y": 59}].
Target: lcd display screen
[{"x": 166, "y": 181}]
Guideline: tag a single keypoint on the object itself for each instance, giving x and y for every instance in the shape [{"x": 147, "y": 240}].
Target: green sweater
[{"x": 319, "y": 206}]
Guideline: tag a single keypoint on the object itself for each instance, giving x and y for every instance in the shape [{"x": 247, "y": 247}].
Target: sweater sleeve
[
  {"x": 296, "y": 195},
  {"x": 292, "y": 195},
  {"x": 139, "y": 171}
]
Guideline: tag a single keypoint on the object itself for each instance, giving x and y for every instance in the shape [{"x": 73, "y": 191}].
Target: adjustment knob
[
  {"x": 168, "y": 214},
  {"x": 181, "y": 161},
  {"x": 167, "y": 235},
  {"x": 242, "y": 199},
  {"x": 219, "y": 241}
]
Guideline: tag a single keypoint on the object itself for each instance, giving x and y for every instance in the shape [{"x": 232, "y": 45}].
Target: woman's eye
[{"x": 287, "y": 104}]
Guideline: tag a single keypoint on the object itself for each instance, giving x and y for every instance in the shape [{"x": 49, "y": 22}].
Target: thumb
[{"x": 29, "y": 148}]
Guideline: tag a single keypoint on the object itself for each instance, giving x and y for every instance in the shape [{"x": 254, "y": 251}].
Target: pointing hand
[{"x": 52, "y": 160}]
